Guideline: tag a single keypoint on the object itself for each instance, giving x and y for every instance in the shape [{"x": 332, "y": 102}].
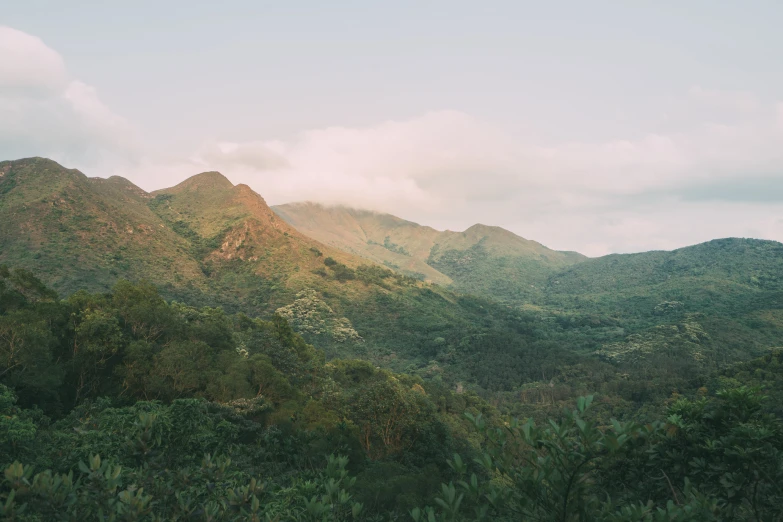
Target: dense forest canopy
[{"x": 126, "y": 406}]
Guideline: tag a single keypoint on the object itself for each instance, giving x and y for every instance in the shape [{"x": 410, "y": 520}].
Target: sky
[{"x": 601, "y": 127}]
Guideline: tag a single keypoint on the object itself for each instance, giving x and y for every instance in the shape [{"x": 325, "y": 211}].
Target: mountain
[
  {"x": 84, "y": 233},
  {"x": 208, "y": 242},
  {"x": 723, "y": 275},
  {"x": 714, "y": 303},
  {"x": 231, "y": 229},
  {"x": 635, "y": 326},
  {"x": 482, "y": 260}
]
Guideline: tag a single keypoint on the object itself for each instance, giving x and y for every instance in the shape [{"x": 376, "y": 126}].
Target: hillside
[
  {"x": 665, "y": 317},
  {"x": 631, "y": 326},
  {"x": 482, "y": 260},
  {"x": 84, "y": 233},
  {"x": 726, "y": 276},
  {"x": 210, "y": 243},
  {"x": 712, "y": 303}
]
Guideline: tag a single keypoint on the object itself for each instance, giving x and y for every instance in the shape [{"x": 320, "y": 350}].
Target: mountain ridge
[
  {"x": 442, "y": 257},
  {"x": 211, "y": 243}
]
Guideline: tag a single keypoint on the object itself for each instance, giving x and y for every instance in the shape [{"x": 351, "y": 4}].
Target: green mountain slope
[
  {"x": 631, "y": 326},
  {"x": 724, "y": 275},
  {"x": 712, "y": 303},
  {"x": 84, "y": 233},
  {"x": 211, "y": 243},
  {"x": 482, "y": 260}
]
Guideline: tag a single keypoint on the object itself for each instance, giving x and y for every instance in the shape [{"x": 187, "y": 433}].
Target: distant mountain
[
  {"x": 718, "y": 301},
  {"x": 482, "y": 260},
  {"x": 723, "y": 275}
]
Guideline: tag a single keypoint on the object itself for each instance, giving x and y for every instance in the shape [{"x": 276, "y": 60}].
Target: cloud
[
  {"x": 447, "y": 156},
  {"x": 450, "y": 170},
  {"x": 28, "y": 63},
  {"x": 742, "y": 102},
  {"x": 715, "y": 171},
  {"x": 254, "y": 155},
  {"x": 46, "y": 112},
  {"x": 425, "y": 162}
]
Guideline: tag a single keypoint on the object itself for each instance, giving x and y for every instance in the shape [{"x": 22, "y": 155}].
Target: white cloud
[
  {"x": 716, "y": 172},
  {"x": 27, "y": 63},
  {"x": 743, "y": 102},
  {"x": 45, "y": 112},
  {"x": 450, "y": 170}
]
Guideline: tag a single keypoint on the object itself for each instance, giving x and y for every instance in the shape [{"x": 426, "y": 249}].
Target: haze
[{"x": 598, "y": 127}]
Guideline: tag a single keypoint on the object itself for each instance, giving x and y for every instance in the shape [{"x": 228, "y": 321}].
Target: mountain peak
[
  {"x": 243, "y": 189},
  {"x": 33, "y": 178},
  {"x": 485, "y": 229},
  {"x": 34, "y": 160},
  {"x": 38, "y": 166},
  {"x": 211, "y": 180}
]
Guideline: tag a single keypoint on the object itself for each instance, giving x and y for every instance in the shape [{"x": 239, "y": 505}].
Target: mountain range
[
  {"x": 483, "y": 306},
  {"x": 209, "y": 242}
]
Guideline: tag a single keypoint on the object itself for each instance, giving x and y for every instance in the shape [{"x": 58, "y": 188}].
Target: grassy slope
[
  {"x": 79, "y": 232},
  {"x": 364, "y": 233},
  {"x": 482, "y": 260}
]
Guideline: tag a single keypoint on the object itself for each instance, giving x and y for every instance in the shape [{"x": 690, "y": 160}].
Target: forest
[{"x": 123, "y": 405}]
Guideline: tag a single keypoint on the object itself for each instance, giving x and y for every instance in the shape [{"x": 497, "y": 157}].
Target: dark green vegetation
[
  {"x": 243, "y": 345},
  {"x": 126, "y": 407},
  {"x": 197, "y": 402}
]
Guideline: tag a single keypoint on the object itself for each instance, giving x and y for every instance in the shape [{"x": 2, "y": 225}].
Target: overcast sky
[{"x": 592, "y": 126}]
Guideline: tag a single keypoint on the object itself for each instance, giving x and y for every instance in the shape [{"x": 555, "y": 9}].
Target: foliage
[
  {"x": 153, "y": 386},
  {"x": 703, "y": 463}
]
